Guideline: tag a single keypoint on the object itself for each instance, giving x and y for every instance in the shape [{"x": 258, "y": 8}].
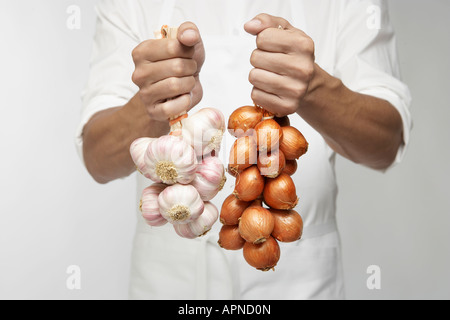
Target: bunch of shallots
[
  {"x": 185, "y": 172},
  {"x": 262, "y": 159}
]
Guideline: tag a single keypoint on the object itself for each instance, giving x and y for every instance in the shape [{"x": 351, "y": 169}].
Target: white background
[{"x": 52, "y": 214}]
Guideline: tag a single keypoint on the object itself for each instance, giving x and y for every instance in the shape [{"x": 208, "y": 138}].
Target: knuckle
[
  {"x": 262, "y": 38},
  {"x": 193, "y": 66},
  {"x": 138, "y": 77},
  {"x": 135, "y": 78},
  {"x": 178, "y": 67},
  {"x": 288, "y": 106},
  {"x": 255, "y": 96},
  {"x": 145, "y": 94},
  {"x": 298, "y": 90},
  {"x": 304, "y": 71},
  {"x": 172, "y": 48},
  {"x": 309, "y": 71},
  {"x": 136, "y": 53},
  {"x": 254, "y": 57},
  {"x": 186, "y": 101},
  {"x": 252, "y": 76},
  {"x": 165, "y": 111},
  {"x": 307, "y": 44},
  {"x": 191, "y": 83},
  {"x": 173, "y": 85}
]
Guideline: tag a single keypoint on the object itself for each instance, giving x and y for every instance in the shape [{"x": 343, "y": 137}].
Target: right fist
[{"x": 167, "y": 73}]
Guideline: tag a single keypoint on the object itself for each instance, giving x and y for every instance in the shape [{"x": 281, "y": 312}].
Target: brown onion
[
  {"x": 272, "y": 164},
  {"x": 243, "y": 119},
  {"x": 257, "y": 203},
  {"x": 232, "y": 209},
  {"x": 288, "y": 225},
  {"x": 244, "y": 154},
  {"x": 268, "y": 133},
  {"x": 293, "y": 143},
  {"x": 264, "y": 256},
  {"x": 283, "y": 121},
  {"x": 280, "y": 193},
  {"x": 256, "y": 224},
  {"x": 230, "y": 239},
  {"x": 249, "y": 184},
  {"x": 291, "y": 167}
]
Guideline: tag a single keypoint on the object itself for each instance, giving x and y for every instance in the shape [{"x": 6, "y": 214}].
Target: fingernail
[
  {"x": 189, "y": 33},
  {"x": 255, "y": 23}
]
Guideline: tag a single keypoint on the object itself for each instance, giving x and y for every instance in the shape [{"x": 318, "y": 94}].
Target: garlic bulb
[
  {"x": 201, "y": 225},
  {"x": 204, "y": 130},
  {"x": 210, "y": 178},
  {"x": 170, "y": 160},
  {"x": 137, "y": 152},
  {"x": 149, "y": 205},
  {"x": 180, "y": 204}
]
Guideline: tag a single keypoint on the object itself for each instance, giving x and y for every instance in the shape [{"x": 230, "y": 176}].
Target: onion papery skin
[
  {"x": 280, "y": 193},
  {"x": 256, "y": 224},
  {"x": 267, "y": 135},
  {"x": 232, "y": 209},
  {"x": 230, "y": 239},
  {"x": 283, "y": 121},
  {"x": 244, "y": 154},
  {"x": 249, "y": 184},
  {"x": 293, "y": 143},
  {"x": 272, "y": 164},
  {"x": 243, "y": 120},
  {"x": 290, "y": 167},
  {"x": 288, "y": 225},
  {"x": 263, "y": 256}
]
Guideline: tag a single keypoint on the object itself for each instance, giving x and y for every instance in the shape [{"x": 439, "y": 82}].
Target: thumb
[
  {"x": 188, "y": 34},
  {"x": 264, "y": 21}
]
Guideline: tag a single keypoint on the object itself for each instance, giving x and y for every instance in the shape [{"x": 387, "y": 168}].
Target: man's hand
[
  {"x": 284, "y": 64},
  {"x": 167, "y": 73},
  {"x": 286, "y": 80}
]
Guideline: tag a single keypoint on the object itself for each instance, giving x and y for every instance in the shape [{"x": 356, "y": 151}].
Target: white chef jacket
[{"x": 350, "y": 44}]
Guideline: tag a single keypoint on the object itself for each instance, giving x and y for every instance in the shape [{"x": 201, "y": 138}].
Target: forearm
[
  {"x": 108, "y": 135},
  {"x": 362, "y": 128}
]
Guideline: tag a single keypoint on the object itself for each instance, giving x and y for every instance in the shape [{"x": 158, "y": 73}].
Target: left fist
[{"x": 283, "y": 64}]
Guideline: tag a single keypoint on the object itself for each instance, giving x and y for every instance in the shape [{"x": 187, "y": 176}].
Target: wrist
[
  {"x": 321, "y": 84},
  {"x": 140, "y": 122}
]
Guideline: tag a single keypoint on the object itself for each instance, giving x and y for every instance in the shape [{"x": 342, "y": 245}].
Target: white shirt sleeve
[
  {"x": 366, "y": 58},
  {"x": 109, "y": 83}
]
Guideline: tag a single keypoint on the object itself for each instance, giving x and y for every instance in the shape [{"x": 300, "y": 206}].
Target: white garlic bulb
[
  {"x": 204, "y": 130},
  {"x": 170, "y": 160},
  {"x": 209, "y": 178},
  {"x": 180, "y": 204},
  {"x": 149, "y": 205},
  {"x": 201, "y": 225},
  {"x": 137, "y": 152}
]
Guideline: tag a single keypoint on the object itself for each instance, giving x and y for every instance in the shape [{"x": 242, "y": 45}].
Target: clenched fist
[
  {"x": 167, "y": 73},
  {"x": 283, "y": 64}
]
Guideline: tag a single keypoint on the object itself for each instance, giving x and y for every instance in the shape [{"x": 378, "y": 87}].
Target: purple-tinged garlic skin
[
  {"x": 149, "y": 205},
  {"x": 137, "y": 151},
  {"x": 204, "y": 130},
  {"x": 201, "y": 225},
  {"x": 180, "y": 204},
  {"x": 210, "y": 178},
  {"x": 171, "y": 160}
]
